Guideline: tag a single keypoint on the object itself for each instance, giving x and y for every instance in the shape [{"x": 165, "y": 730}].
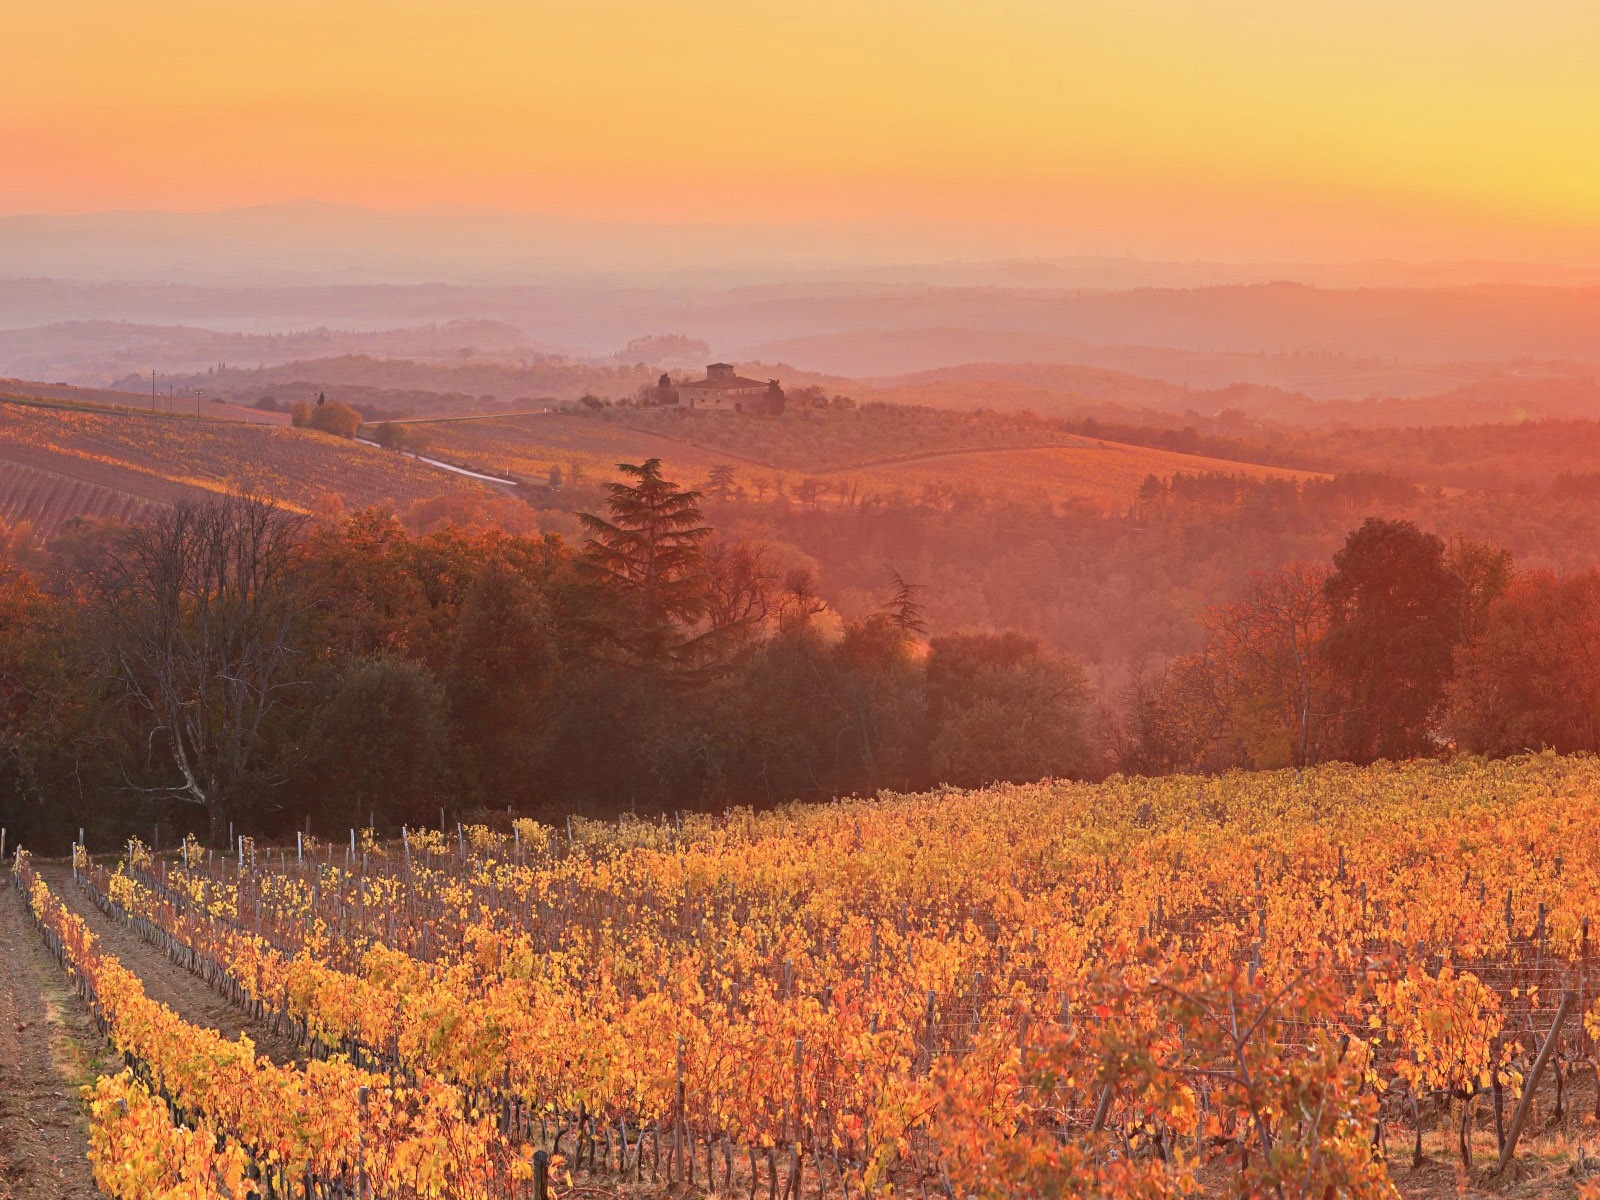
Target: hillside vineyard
[{"x": 1283, "y": 983}]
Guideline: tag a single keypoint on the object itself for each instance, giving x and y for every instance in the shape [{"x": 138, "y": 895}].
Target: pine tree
[
  {"x": 646, "y": 559},
  {"x": 720, "y": 482},
  {"x": 904, "y": 610}
]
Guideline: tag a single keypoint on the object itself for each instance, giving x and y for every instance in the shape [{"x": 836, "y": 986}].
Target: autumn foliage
[{"x": 1278, "y": 980}]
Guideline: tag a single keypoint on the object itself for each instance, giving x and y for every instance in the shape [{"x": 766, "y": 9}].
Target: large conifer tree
[{"x": 646, "y": 558}]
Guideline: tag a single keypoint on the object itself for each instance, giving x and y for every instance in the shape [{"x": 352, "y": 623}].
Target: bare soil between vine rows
[
  {"x": 49, "y": 1047},
  {"x": 186, "y": 993}
]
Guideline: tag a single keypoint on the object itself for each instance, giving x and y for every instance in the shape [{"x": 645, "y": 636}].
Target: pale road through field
[{"x": 444, "y": 466}]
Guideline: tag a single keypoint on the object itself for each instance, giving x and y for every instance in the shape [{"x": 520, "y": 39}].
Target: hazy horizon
[
  {"x": 845, "y": 192},
  {"x": 1223, "y": 131},
  {"x": 312, "y": 241}
]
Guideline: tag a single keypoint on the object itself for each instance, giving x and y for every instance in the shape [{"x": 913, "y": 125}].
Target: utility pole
[{"x": 152, "y": 389}]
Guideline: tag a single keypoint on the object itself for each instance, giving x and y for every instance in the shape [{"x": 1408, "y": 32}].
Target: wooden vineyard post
[
  {"x": 362, "y": 1096},
  {"x": 1585, "y": 1043},
  {"x": 676, "y": 1160},
  {"x": 797, "y": 1173},
  {"x": 541, "y": 1175},
  {"x": 1568, "y": 1000},
  {"x": 1102, "y": 1108},
  {"x": 1583, "y": 982},
  {"x": 1499, "y": 1093}
]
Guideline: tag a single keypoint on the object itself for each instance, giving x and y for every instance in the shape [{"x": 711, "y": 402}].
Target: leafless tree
[
  {"x": 739, "y": 584},
  {"x": 201, "y": 612}
]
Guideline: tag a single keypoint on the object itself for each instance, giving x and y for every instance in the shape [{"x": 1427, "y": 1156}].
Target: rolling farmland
[
  {"x": 1100, "y": 473},
  {"x": 57, "y": 462},
  {"x": 526, "y": 447}
]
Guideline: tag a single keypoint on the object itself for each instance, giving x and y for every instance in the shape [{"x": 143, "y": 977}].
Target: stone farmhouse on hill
[{"x": 723, "y": 388}]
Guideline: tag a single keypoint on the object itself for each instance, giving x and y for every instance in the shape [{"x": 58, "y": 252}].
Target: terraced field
[{"x": 58, "y": 462}]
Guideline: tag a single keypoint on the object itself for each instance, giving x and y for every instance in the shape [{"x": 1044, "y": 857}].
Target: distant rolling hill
[
  {"x": 104, "y": 352},
  {"x": 898, "y": 356},
  {"x": 1464, "y": 396},
  {"x": 942, "y": 327}
]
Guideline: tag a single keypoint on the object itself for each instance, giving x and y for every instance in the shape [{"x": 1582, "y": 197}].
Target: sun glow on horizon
[{"x": 1341, "y": 126}]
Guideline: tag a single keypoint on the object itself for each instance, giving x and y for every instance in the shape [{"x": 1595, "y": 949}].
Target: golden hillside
[
  {"x": 60, "y": 461},
  {"x": 874, "y": 453}
]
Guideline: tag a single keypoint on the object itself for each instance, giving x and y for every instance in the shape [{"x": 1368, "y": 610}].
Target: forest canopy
[{"x": 228, "y": 663}]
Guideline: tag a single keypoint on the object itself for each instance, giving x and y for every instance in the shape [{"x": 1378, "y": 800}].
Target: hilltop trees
[
  {"x": 391, "y": 436},
  {"x": 328, "y": 417}
]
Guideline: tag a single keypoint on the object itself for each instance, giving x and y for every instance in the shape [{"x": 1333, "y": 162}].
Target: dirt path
[
  {"x": 186, "y": 994},
  {"x": 49, "y": 1047}
]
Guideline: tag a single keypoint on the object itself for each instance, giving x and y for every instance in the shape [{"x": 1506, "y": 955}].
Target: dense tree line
[
  {"x": 1121, "y": 591},
  {"x": 231, "y": 663},
  {"x": 1404, "y": 646},
  {"x": 1230, "y": 622}
]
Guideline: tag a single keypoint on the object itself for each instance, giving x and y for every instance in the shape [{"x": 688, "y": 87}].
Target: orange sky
[{"x": 1332, "y": 127}]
